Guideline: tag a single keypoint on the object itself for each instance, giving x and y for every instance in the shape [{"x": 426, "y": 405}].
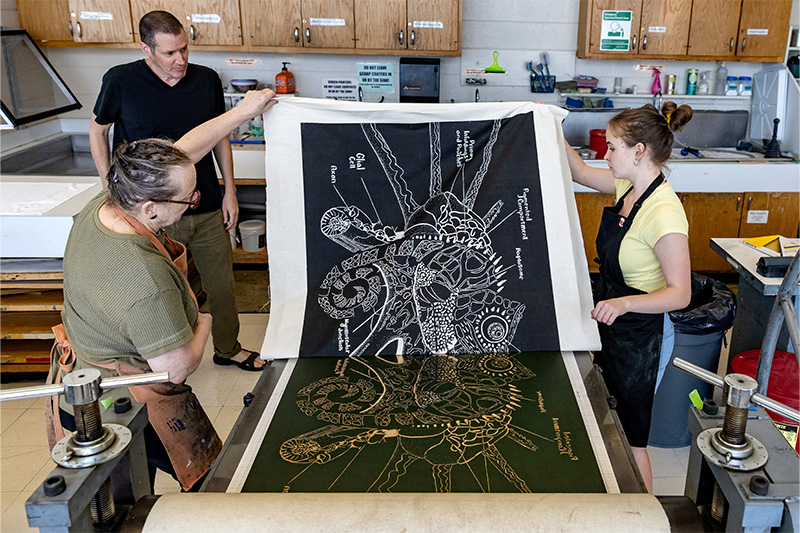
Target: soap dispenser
[{"x": 284, "y": 80}]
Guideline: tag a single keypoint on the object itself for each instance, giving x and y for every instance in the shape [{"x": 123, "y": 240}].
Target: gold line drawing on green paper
[
  {"x": 445, "y": 411},
  {"x": 494, "y": 67}
]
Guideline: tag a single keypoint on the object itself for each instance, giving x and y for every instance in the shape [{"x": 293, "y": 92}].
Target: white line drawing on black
[
  {"x": 432, "y": 286},
  {"x": 446, "y": 411}
]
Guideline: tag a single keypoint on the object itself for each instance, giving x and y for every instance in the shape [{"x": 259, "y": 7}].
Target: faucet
[
  {"x": 657, "y": 100},
  {"x": 477, "y": 95}
]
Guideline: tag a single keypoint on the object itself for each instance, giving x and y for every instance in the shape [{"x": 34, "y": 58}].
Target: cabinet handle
[
  {"x": 400, "y": 40},
  {"x": 644, "y": 42},
  {"x": 70, "y": 28},
  {"x": 297, "y": 35},
  {"x": 744, "y": 42},
  {"x": 749, "y": 202},
  {"x": 191, "y": 31},
  {"x": 730, "y": 46},
  {"x": 413, "y": 38},
  {"x": 308, "y": 35},
  {"x": 633, "y": 47},
  {"x": 80, "y": 33},
  {"x": 738, "y": 202}
]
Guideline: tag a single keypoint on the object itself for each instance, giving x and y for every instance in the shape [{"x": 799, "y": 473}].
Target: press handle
[
  {"x": 105, "y": 384},
  {"x": 757, "y": 399}
]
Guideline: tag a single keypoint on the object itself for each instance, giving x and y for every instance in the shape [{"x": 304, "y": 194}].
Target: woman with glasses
[{"x": 128, "y": 307}]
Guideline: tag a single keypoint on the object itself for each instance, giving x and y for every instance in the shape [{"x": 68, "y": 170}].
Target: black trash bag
[{"x": 712, "y": 309}]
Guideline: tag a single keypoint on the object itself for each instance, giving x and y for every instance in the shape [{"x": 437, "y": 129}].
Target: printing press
[{"x": 381, "y": 434}]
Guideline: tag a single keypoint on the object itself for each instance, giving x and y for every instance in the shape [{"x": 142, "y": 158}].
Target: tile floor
[
  {"x": 25, "y": 459},
  {"x": 24, "y": 456}
]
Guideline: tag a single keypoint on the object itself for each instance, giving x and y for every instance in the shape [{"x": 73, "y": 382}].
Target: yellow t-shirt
[{"x": 661, "y": 214}]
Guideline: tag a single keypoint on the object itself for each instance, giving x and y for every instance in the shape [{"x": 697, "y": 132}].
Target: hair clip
[
  {"x": 115, "y": 179},
  {"x": 133, "y": 145}
]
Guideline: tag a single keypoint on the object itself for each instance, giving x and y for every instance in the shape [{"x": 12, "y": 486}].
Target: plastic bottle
[
  {"x": 745, "y": 86},
  {"x": 284, "y": 80},
  {"x": 691, "y": 82},
  {"x": 732, "y": 86},
  {"x": 703, "y": 85},
  {"x": 656, "y": 88},
  {"x": 721, "y": 84}
]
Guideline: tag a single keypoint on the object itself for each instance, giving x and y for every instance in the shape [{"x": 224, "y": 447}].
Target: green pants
[{"x": 208, "y": 240}]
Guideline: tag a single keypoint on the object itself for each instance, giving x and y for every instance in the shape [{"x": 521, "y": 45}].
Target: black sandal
[{"x": 248, "y": 364}]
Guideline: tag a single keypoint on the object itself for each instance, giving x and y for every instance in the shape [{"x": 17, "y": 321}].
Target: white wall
[{"x": 518, "y": 29}]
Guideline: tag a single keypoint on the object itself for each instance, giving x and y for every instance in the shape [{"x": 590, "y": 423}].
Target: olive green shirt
[{"x": 124, "y": 300}]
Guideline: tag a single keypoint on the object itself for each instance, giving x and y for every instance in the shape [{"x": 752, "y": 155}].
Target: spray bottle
[
  {"x": 656, "y": 81},
  {"x": 284, "y": 80}
]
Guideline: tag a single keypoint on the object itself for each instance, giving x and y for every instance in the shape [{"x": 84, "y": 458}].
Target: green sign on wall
[{"x": 615, "y": 30}]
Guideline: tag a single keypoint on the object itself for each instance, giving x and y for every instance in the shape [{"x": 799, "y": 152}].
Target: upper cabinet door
[
  {"x": 618, "y": 33},
  {"x": 665, "y": 27},
  {"x": 45, "y": 20},
  {"x": 273, "y": 22},
  {"x": 381, "y": 24},
  {"x": 433, "y": 25},
  {"x": 207, "y": 22},
  {"x": 715, "y": 24},
  {"x": 101, "y": 21},
  {"x": 328, "y": 24},
  {"x": 763, "y": 28},
  {"x": 214, "y": 22}
]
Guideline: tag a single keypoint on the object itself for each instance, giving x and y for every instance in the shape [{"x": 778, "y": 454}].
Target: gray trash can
[{"x": 699, "y": 330}]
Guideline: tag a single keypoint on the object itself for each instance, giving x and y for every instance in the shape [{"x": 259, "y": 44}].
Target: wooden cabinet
[
  {"x": 590, "y": 211},
  {"x": 207, "y": 22},
  {"x": 101, "y": 21},
  {"x": 45, "y": 20},
  {"x": 763, "y": 28},
  {"x": 590, "y": 28},
  {"x": 770, "y": 213},
  {"x": 79, "y": 21},
  {"x": 664, "y": 29},
  {"x": 714, "y": 27},
  {"x": 309, "y": 24},
  {"x": 721, "y": 215},
  {"x": 725, "y": 30},
  {"x": 710, "y": 215},
  {"x": 416, "y": 25}
]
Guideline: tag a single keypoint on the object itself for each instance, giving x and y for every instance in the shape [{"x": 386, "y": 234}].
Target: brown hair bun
[{"x": 677, "y": 116}]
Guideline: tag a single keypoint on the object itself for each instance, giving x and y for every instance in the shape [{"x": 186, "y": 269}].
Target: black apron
[{"x": 632, "y": 344}]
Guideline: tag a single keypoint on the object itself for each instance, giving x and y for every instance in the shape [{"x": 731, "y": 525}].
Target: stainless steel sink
[{"x": 65, "y": 155}]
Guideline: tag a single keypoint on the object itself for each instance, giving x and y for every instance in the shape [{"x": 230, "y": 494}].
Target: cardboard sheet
[{"x": 421, "y": 229}]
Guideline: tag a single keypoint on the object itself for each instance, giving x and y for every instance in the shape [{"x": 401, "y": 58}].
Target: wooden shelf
[
  {"x": 247, "y": 181},
  {"x": 240, "y": 257},
  {"x": 25, "y": 356},
  {"x": 29, "y": 326},
  {"x": 33, "y": 301}
]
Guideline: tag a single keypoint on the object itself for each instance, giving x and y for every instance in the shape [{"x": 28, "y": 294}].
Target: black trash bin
[{"x": 699, "y": 329}]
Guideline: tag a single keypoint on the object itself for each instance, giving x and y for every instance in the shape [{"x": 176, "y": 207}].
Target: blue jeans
[{"x": 667, "y": 344}]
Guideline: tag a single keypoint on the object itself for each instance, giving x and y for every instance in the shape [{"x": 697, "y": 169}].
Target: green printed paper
[{"x": 465, "y": 423}]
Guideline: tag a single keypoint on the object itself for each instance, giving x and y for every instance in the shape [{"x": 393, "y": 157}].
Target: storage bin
[{"x": 254, "y": 235}]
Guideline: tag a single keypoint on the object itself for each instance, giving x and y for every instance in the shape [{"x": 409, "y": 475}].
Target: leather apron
[
  {"x": 632, "y": 344},
  {"x": 173, "y": 410}
]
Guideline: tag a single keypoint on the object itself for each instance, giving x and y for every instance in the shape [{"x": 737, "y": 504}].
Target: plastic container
[
  {"x": 703, "y": 85},
  {"x": 732, "y": 86},
  {"x": 232, "y": 233},
  {"x": 597, "y": 142},
  {"x": 721, "y": 84},
  {"x": 784, "y": 387},
  {"x": 254, "y": 235},
  {"x": 699, "y": 330},
  {"x": 745, "y": 86},
  {"x": 691, "y": 81},
  {"x": 284, "y": 80}
]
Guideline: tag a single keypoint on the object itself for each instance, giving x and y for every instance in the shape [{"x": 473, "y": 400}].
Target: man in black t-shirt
[{"x": 166, "y": 96}]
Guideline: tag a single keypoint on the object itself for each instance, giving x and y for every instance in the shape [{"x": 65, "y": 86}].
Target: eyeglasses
[{"x": 193, "y": 202}]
